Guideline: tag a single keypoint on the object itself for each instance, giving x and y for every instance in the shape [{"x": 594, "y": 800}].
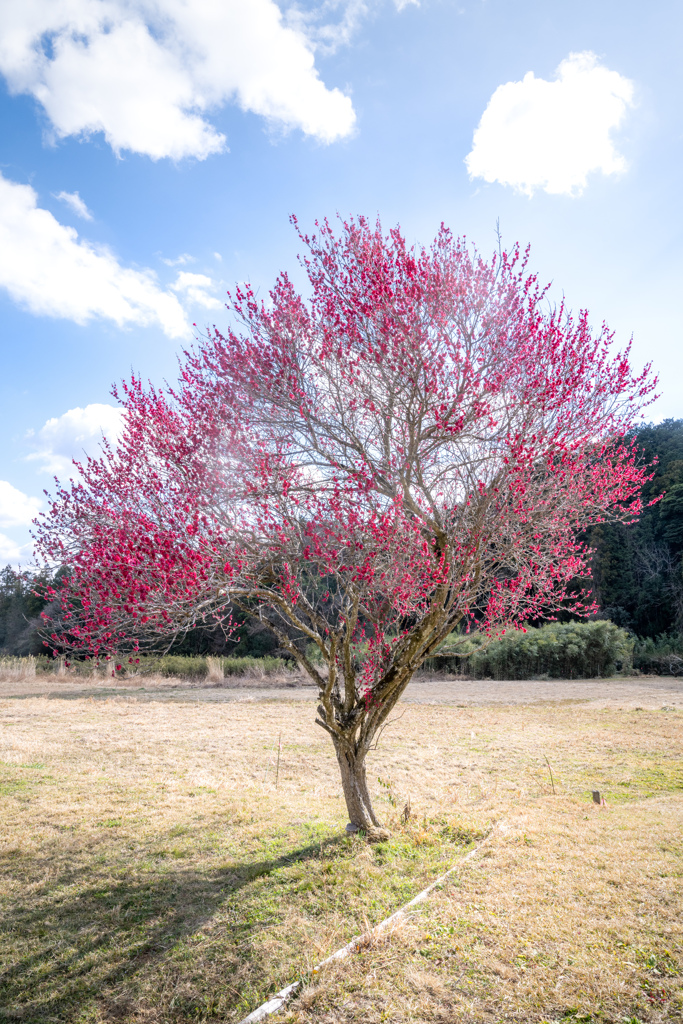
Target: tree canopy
[{"x": 412, "y": 448}]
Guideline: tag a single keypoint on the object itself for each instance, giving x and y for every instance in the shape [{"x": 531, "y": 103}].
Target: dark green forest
[
  {"x": 21, "y": 624},
  {"x": 637, "y": 570},
  {"x": 637, "y": 574}
]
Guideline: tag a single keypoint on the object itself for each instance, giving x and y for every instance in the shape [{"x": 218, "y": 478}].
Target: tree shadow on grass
[{"x": 78, "y": 956}]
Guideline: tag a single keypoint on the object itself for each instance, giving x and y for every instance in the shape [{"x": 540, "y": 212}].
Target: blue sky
[{"x": 152, "y": 151}]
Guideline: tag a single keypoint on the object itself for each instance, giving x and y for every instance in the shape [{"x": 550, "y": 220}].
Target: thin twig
[
  {"x": 269, "y": 762},
  {"x": 551, "y": 775},
  {"x": 383, "y": 727}
]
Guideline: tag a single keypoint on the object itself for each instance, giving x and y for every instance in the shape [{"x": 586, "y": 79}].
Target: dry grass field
[{"x": 152, "y": 871}]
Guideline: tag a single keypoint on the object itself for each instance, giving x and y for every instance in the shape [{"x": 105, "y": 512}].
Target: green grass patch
[{"x": 116, "y": 919}]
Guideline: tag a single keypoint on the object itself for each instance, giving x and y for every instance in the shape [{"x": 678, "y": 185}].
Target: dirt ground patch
[
  {"x": 646, "y": 691},
  {"x": 151, "y": 871}
]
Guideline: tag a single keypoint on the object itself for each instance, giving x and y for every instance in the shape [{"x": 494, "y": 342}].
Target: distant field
[{"x": 151, "y": 871}]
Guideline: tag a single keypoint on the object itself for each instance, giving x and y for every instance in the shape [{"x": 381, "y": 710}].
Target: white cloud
[
  {"x": 551, "y": 135},
  {"x": 16, "y": 508},
  {"x": 179, "y": 261},
  {"x": 145, "y": 72},
  {"x": 46, "y": 267},
  {"x": 72, "y": 434},
  {"x": 74, "y": 201},
  {"x": 326, "y": 35},
  {"x": 10, "y": 551},
  {"x": 331, "y": 24},
  {"x": 194, "y": 286}
]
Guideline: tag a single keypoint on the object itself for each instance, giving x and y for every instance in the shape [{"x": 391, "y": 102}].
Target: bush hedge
[
  {"x": 558, "y": 650},
  {"x": 661, "y": 656}
]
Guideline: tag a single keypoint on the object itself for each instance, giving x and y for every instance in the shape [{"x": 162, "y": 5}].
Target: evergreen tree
[
  {"x": 638, "y": 569},
  {"x": 20, "y": 608}
]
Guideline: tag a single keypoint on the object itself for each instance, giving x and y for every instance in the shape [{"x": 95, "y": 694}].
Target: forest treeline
[
  {"x": 21, "y": 625},
  {"x": 637, "y": 575}
]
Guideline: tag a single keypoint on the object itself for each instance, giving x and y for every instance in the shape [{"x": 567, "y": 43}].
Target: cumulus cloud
[
  {"x": 147, "y": 72},
  {"x": 16, "y": 508},
  {"x": 10, "y": 551},
  {"x": 75, "y": 203},
  {"x": 194, "y": 288},
  {"x": 536, "y": 134},
  {"x": 73, "y": 434},
  {"x": 46, "y": 268}
]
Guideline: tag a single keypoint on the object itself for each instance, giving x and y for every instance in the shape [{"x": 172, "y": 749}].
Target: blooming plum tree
[{"x": 411, "y": 450}]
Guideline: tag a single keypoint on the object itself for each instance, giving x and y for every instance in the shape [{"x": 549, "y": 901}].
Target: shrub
[
  {"x": 255, "y": 666},
  {"x": 661, "y": 656},
  {"x": 559, "y": 650},
  {"x": 193, "y": 667}
]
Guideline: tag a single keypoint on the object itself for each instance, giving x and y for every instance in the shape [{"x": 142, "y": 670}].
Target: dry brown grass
[
  {"x": 150, "y": 870},
  {"x": 15, "y": 680},
  {"x": 565, "y": 916}
]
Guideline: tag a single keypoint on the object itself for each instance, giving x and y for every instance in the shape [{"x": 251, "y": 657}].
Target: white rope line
[
  {"x": 273, "y": 1004},
  {"x": 357, "y": 942}
]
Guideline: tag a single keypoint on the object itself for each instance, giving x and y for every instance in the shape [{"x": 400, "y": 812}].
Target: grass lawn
[{"x": 150, "y": 870}]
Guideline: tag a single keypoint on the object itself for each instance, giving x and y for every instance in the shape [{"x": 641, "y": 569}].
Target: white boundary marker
[
  {"x": 273, "y": 1004},
  {"x": 357, "y": 942}
]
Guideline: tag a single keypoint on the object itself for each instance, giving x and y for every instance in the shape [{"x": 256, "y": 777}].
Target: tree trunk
[{"x": 355, "y": 787}]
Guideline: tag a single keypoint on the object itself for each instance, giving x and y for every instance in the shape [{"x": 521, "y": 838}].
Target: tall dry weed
[
  {"x": 215, "y": 673},
  {"x": 17, "y": 668}
]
